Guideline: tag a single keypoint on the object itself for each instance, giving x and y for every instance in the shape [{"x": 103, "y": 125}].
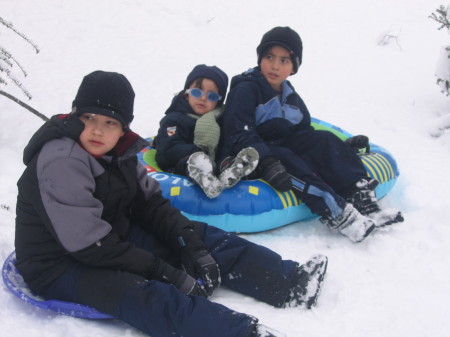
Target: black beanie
[
  {"x": 285, "y": 37},
  {"x": 105, "y": 93},
  {"x": 211, "y": 72}
]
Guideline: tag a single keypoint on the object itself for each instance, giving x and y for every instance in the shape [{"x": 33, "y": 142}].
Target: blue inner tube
[{"x": 253, "y": 205}]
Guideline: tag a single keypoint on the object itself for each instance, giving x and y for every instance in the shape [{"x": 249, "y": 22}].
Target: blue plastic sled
[{"x": 15, "y": 283}]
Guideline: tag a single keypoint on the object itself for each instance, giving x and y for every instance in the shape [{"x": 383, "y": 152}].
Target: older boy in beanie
[
  {"x": 189, "y": 134},
  {"x": 93, "y": 228},
  {"x": 264, "y": 111}
]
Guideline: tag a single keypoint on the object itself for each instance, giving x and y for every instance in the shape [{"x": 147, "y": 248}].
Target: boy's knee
[{"x": 104, "y": 289}]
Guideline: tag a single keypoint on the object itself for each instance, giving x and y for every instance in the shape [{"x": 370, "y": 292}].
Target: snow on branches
[
  {"x": 7, "y": 64},
  {"x": 7, "y": 61},
  {"x": 442, "y": 16}
]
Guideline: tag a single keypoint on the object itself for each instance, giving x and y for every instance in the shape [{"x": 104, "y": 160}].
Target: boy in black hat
[
  {"x": 189, "y": 134},
  {"x": 93, "y": 228},
  {"x": 265, "y": 112}
]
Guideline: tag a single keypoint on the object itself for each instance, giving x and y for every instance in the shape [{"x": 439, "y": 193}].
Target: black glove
[
  {"x": 197, "y": 261},
  {"x": 202, "y": 265},
  {"x": 359, "y": 142},
  {"x": 185, "y": 283},
  {"x": 275, "y": 174}
]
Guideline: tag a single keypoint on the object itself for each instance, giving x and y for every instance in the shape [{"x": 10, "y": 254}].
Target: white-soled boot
[
  {"x": 363, "y": 198},
  {"x": 201, "y": 169},
  {"x": 242, "y": 165},
  {"x": 351, "y": 223}
]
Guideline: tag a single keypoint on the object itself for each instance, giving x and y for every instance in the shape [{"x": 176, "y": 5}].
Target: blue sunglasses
[{"x": 210, "y": 95}]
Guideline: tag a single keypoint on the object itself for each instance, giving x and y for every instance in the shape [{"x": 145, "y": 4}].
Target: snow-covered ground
[{"x": 368, "y": 67}]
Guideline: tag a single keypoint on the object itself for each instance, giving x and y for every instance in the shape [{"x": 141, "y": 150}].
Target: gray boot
[
  {"x": 242, "y": 165},
  {"x": 351, "y": 223},
  {"x": 201, "y": 169},
  {"x": 363, "y": 198}
]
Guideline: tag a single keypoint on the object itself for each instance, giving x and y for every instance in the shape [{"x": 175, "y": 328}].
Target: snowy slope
[{"x": 395, "y": 284}]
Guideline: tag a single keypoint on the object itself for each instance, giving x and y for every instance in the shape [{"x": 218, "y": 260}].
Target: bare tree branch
[{"x": 25, "y": 105}]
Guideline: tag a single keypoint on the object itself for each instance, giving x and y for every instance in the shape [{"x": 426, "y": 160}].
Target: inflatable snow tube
[
  {"x": 253, "y": 205},
  {"x": 16, "y": 285}
]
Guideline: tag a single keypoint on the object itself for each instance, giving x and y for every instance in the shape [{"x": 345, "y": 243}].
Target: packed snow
[{"x": 368, "y": 67}]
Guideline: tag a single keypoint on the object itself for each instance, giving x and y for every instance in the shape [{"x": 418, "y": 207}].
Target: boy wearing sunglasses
[
  {"x": 93, "y": 228},
  {"x": 265, "y": 112},
  {"x": 189, "y": 134}
]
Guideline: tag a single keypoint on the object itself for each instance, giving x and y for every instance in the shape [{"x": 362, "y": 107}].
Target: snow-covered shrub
[{"x": 442, "y": 16}]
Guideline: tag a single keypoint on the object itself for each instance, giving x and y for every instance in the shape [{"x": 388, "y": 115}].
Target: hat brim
[
  {"x": 266, "y": 45},
  {"x": 101, "y": 111}
]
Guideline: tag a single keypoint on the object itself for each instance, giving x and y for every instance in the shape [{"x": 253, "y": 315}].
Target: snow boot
[
  {"x": 363, "y": 198},
  {"x": 307, "y": 283},
  {"x": 201, "y": 170},
  {"x": 351, "y": 223},
  {"x": 261, "y": 330},
  {"x": 234, "y": 169},
  {"x": 386, "y": 217}
]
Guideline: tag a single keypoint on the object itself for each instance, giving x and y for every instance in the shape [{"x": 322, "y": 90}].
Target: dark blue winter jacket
[
  {"x": 175, "y": 139},
  {"x": 256, "y": 115}
]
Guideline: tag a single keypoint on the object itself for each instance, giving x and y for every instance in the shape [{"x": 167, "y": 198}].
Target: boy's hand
[
  {"x": 359, "y": 142},
  {"x": 202, "y": 265},
  {"x": 275, "y": 174},
  {"x": 185, "y": 283}
]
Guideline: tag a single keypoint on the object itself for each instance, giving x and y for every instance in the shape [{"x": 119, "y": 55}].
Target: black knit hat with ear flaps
[
  {"x": 284, "y": 37},
  {"x": 105, "y": 93}
]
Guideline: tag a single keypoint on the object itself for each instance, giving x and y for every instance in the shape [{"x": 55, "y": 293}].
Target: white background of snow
[{"x": 397, "y": 283}]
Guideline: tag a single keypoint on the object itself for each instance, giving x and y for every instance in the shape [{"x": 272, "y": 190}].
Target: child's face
[
  {"x": 202, "y": 105},
  {"x": 100, "y": 134},
  {"x": 276, "y": 66}
]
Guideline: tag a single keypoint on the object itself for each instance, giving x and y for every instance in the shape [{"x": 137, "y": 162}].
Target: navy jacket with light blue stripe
[{"x": 256, "y": 115}]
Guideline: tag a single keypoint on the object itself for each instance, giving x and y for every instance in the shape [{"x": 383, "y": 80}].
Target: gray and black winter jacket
[{"x": 72, "y": 207}]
